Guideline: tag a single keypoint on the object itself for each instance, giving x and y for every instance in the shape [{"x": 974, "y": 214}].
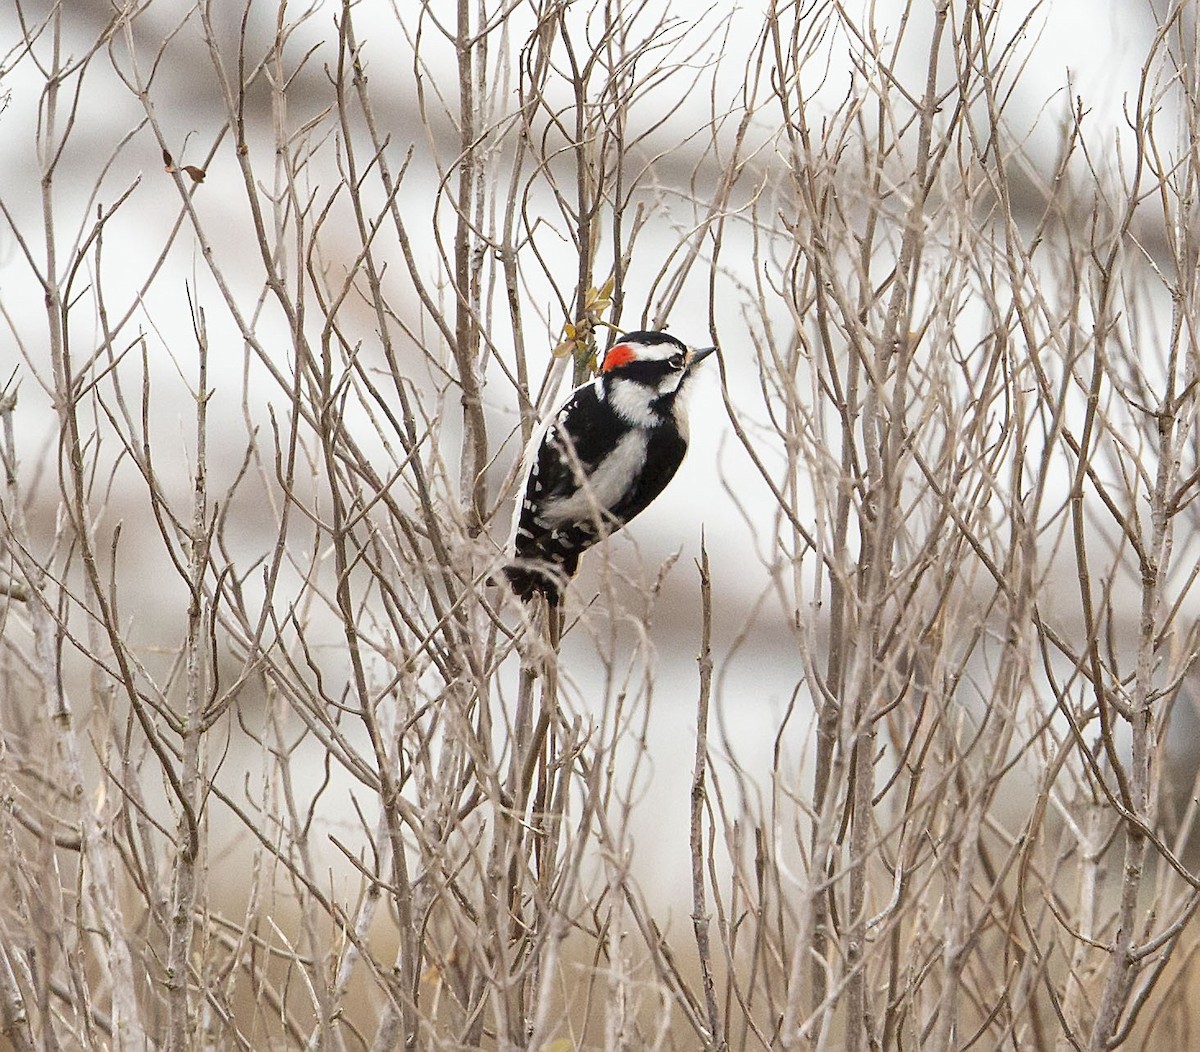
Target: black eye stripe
[{"x": 646, "y": 372}]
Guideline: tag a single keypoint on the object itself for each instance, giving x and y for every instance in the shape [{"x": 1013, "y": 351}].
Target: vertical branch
[
  {"x": 469, "y": 49},
  {"x": 699, "y": 802},
  {"x": 13, "y": 1013},
  {"x": 187, "y": 846},
  {"x": 518, "y": 833},
  {"x": 886, "y": 456},
  {"x": 96, "y": 855},
  {"x": 14, "y": 1020},
  {"x": 1135, "y": 786}
]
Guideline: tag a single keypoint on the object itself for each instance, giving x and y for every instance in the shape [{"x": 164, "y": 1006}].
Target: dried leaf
[
  {"x": 565, "y": 348},
  {"x": 197, "y": 174},
  {"x": 168, "y": 161},
  {"x": 599, "y": 299}
]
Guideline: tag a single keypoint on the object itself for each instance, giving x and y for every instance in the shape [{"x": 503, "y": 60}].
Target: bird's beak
[{"x": 697, "y": 355}]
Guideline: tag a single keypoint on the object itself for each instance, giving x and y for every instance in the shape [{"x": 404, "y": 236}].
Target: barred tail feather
[
  {"x": 546, "y": 572},
  {"x": 529, "y": 577},
  {"x": 528, "y": 580}
]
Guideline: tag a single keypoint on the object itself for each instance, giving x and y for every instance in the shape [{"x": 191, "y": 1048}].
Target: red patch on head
[{"x": 617, "y": 356}]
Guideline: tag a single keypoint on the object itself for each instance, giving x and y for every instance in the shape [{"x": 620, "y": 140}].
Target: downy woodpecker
[{"x": 601, "y": 459}]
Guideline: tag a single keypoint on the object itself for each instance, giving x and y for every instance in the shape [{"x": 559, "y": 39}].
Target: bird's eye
[{"x": 675, "y": 361}]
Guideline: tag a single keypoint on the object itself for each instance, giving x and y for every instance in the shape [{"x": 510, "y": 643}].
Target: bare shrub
[{"x": 282, "y": 767}]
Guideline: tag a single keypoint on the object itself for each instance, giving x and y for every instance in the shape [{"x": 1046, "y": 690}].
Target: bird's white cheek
[{"x": 630, "y": 400}]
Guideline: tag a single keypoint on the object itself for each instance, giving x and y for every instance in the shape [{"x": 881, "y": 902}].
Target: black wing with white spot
[
  {"x": 547, "y": 553},
  {"x": 567, "y": 454}
]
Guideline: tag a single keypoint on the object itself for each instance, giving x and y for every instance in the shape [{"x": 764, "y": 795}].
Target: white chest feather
[{"x": 606, "y": 485}]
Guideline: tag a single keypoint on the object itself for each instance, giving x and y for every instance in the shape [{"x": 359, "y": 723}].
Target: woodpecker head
[{"x": 643, "y": 373}]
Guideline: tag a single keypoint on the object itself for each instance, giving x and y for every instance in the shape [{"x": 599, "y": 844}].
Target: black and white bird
[{"x": 601, "y": 459}]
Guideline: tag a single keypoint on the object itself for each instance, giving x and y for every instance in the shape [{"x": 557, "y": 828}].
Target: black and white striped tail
[{"x": 543, "y": 567}]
